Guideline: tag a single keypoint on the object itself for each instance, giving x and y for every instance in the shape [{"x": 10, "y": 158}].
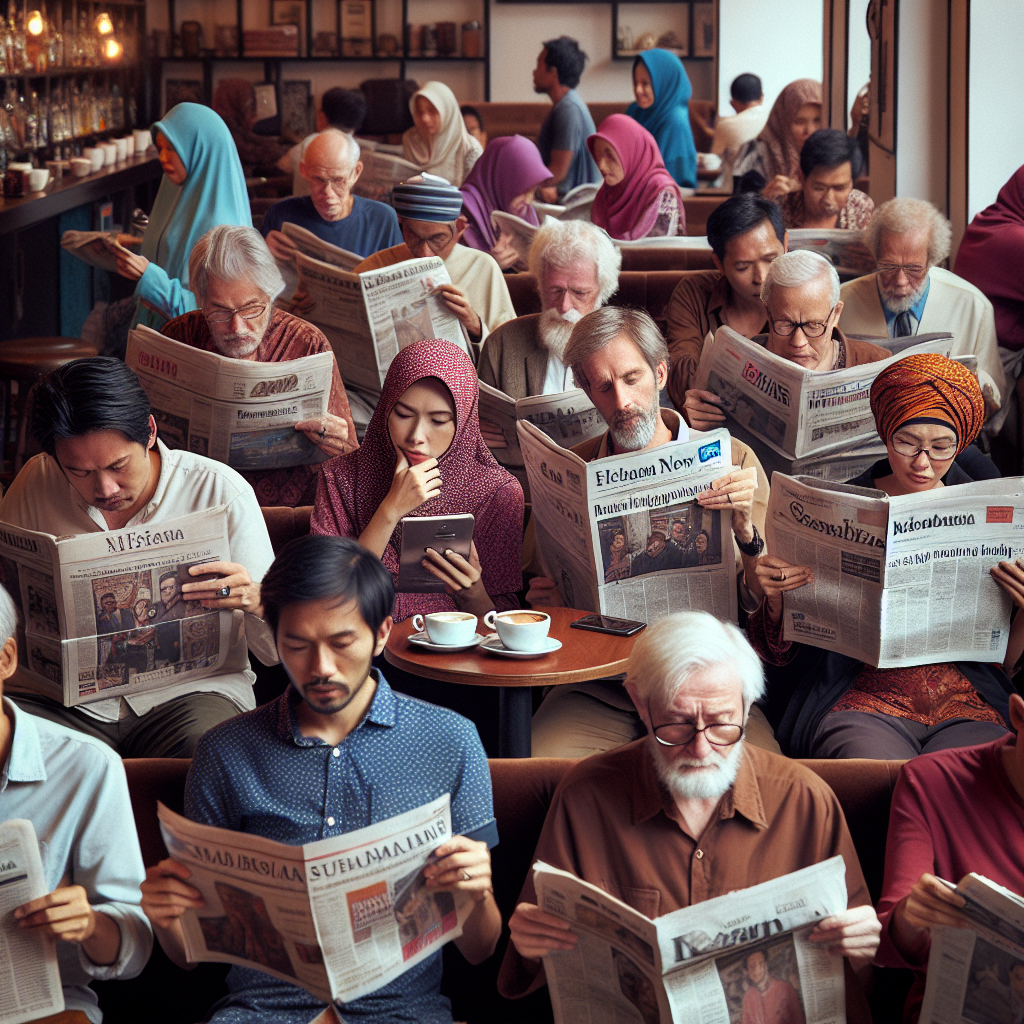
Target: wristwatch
[{"x": 755, "y": 545}]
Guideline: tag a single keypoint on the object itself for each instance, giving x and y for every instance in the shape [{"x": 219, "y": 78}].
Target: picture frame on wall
[
  {"x": 290, "y": 12},
  {"x": 357, "y": 25},
  {"x": 703, "y": 39},
  {"x": 296, "y": 109}
]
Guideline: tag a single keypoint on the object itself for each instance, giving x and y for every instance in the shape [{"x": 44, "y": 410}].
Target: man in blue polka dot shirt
[{"x": 338, "y": 751}]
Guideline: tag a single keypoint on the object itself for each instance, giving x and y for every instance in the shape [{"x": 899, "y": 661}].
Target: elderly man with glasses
[
  {"x": 235, "y": 280},
  {"x": 690, "y": 811}
]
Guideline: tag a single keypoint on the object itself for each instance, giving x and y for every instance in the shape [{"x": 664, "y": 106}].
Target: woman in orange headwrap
[{"x": 928, "y": 410}]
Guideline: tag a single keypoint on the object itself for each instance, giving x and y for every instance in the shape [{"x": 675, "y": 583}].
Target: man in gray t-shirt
[{"x": 563, "y": 136}]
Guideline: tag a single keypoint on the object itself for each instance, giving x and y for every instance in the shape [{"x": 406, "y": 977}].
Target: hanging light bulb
[
  {"x": 35, "y": 23},
  {"x": 104, "y": 26},
  {"x": 112, "y": 49}
]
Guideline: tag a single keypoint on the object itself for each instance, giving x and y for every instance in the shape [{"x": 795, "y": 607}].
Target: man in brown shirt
[
  {"x": 236, "y": 280},
  {"x": 691, "y": 811},
  {"x": 745, "y": 234}
]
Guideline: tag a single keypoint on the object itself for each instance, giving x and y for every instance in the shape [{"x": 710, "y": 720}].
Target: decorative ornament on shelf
[{"x": 104, "y": 26}]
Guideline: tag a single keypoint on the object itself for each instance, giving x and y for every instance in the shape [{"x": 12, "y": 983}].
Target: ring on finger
[
  {"x": 781, "y": 578},
  {"x": 466, "y": 876}
]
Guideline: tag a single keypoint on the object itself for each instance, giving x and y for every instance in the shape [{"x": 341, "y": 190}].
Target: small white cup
[
  {"x": 447, "y": 629},
  {"x": 142, "y": 139},
  {"x": 122, "y": 149},
  {"x": 95, "y": 155},
  {"x": 109, "y": 153},
  {"x": 81, "y": 166},
  {"x": 129, "y": 145},
  {"x": 38, "y": 178},
  {"x": 520, "y": 629}
]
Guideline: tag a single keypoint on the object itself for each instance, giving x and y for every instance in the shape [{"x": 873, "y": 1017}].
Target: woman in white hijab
[{"x": 439, "y": 142}]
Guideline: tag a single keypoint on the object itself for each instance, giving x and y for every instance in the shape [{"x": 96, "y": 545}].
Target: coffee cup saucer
[
  {"x": 493, "y": 645},
  {"x": 424, "y": 641}
]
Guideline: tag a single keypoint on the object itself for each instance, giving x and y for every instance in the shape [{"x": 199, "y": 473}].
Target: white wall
[
  {"x": 779, "y": 42},
  {"x": 858, "y": 53}
]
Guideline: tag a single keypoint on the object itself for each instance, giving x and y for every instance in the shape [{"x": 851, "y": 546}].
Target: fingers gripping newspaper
[
  {"x": 717, "y": 962},
  {"x": 340, "y": 917},
  {"x": 625, "y": 536},
  {"x": 369, "y": 318},
  {"x": 238, "y": 411},
  {"x": 102, "y": 614},
  {"x": 29, "y": 976},
  {"x": 898, "y": 581}
]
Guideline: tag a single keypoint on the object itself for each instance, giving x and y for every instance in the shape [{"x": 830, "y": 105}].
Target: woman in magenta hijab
[
  {"x": 504, "y": 178},
  {"x": 639, "y": 198}
]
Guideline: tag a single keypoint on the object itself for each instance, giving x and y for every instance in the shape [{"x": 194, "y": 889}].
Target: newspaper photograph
[
  {"x": 238, "y": 411},
  {"x": 340, "y": 917},
  {"x": 842, "y": 247},
  {"x": 30, "y": 985},
  {"x": 723, "y": 961},
  {"x": 103, "y": 614},
  {"x": 370, "y": 317},
  {"x": 898, "y": 581},
  {"x": 624, "y": 535}
]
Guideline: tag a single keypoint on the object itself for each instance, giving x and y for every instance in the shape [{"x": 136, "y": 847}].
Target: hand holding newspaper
[
  {"x": 691, "y": 966},
  {"x": 238, "y": 411},
  {"x": 29, "y": 976},
  {"x": 97, "y": 248},
  {"x": 340, "y": 917}
]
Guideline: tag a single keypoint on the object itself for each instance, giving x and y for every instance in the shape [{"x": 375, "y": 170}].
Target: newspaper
[
  {"x": 94, "y": 248},
  {"x": 340, "y": 917},
  {"x": 102, "y": 615},
  {"x": 624, "y": 535},
  {"x": 843, "y": 248},
  {"x": 664, "y": 242},
  {"x": 315, "y": 247},
  {"x": 976, "y": 973},
  {"x": 240, "y": 412},
  {"x": 29, "y": 976},
  {"x": 703, "y": 964},
  {"x": 370, "y": 317},
  {"x": 898, "y": 581},
  {"x": 381, "y": 172},
  {"x": 578, "y": 201}
]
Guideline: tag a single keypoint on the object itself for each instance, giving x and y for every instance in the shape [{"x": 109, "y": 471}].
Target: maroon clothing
[
  {"x": 953, "y": 812},
  {"x": 778, "y": 1004}
]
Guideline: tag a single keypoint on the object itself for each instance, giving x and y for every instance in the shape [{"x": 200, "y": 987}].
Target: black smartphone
[{"x": 609, "y": 624}]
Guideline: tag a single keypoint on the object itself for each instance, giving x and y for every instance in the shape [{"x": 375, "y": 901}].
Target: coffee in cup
[
  {"x": 520, "y": 629},
  {"x": 447, "y": 629}
]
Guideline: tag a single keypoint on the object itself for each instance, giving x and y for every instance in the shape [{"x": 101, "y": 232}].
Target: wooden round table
[{"x": 584, "y": 655}]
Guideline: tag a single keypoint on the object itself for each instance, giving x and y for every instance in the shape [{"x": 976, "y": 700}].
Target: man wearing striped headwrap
[{"x": 430, "y": 215}]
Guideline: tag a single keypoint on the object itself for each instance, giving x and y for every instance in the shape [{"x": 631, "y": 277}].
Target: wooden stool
[{"x": 25, "y": 360}]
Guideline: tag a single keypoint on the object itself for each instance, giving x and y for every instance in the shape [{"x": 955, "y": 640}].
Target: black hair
[
  {"x": 829, "y": 148},
  {"x": 103, "y": 597},
  {"x": 740, "y": 214},
  {"x": 315, "y": 567},
  {"x": 746, "y": 88},
  {"x": 344, "y": 108},
  {"x": 97, "y": 393},
  {"x": 565, "y": 56},
  {"x": 467, "y": 111}
]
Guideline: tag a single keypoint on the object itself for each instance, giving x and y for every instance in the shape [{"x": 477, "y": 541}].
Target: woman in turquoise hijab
[
  {"x": 663, "y": 90},
  {"x": 203, "y": 186}
]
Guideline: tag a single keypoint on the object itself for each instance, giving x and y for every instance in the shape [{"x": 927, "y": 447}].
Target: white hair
[
  {"x": 353, "y": 151},
  {"x": 562, "y": 244},
  {"x": 801, "y": 266},
  {"x": 684, "y": 643},
  {"x": 906, "y": 216},
  {"x": 233, "y": 253},
  {"x": 8, "y": 616}
]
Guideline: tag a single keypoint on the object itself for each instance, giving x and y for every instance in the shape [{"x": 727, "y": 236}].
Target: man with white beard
[
  {"x": 235, "y": 280},
  {"x": 690, "y": 811}
]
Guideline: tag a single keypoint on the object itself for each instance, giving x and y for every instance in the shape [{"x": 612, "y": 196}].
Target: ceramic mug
[
  {"x": 122, "y": 149},
  {"x": 38, "y": 179},
  {"x": 109, "y": 153},
  {"x": 448, "y": 629},
  {"x": 520, "y": 629},
  {"x": 95, "y": 155},
  {"x": 81, "y": 166},
  {"x": 142, "y": 140},
  {"x": 129, "y": 145}
]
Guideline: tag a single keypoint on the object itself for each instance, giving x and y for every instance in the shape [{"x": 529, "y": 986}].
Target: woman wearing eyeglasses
[{"x": 928, "y": 409}]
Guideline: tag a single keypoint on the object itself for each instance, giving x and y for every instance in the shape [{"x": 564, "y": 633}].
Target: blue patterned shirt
[{"x": 257, "y": 773}]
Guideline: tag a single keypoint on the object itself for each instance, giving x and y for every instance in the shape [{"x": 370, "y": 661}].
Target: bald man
[{"x": 331, "y": 167}]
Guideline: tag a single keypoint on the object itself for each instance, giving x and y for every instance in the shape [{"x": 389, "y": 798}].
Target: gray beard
[
  {"x": 902, "y": 305},
  {"x": 639, "y": 433},
  {"x": 237, "y": 347},
  {"x": 691, "y": 783},
  {"x": 555, "y": 330}
]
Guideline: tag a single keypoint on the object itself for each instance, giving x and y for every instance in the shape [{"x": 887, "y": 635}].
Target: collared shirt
[
  {"x": 557, "y": 377},
  {"x": 41, "y": 498},
  {"x": 612, "y": 823},
  {"x": 73, "y": 790},
  {"x": 257, "y": 773},
  {"x": 916, "y": 311}
]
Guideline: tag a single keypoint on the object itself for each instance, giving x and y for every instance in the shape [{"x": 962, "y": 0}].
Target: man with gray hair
[
  {"x": 235, "y": 280},
  {"x": 910, "y": 294},
  {"x": 331, "y": 166},
  {"x": 801, "y": 293},
  {"x": 690, "y": 811}
]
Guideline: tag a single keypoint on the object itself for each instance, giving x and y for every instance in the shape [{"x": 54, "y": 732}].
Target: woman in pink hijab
[{"x": 639, "y": 198}]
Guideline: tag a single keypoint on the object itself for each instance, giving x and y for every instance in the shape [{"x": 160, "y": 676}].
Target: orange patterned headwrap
[{"x": 930, "y": 387}]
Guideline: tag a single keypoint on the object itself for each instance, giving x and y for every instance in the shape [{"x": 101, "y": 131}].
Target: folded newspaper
[
  {"x": 238, "y": 411},
  {"x": 729, "y": 960},
  {"x": 519, "y": 232},
  {"x": 898, "y": 581},
  {"x": 624, "y": 535},
  {"x": 370, "y": 317},
  {"x": 102, "y": 614},
  {"x": 316, "y": 248},
  {"x": 578, "y": 201},
  {"x": 381, "y": 172},
  {"x": 30, "y": 985},
  {"x": 339, "y": 917},
  {"x": 94, "y": 248},
  {"x": 665, "y": 242},
  {"x": 843, "y": 248}
]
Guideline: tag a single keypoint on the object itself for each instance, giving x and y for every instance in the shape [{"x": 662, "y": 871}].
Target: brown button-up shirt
[{"x": 611, "y": 823}]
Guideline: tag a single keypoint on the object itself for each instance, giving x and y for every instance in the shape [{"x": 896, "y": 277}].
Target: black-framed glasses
[
  {"x": 435, "y": 242},
  {"x": 912, "y": 270},
  {"x": 718, "y": 734},
  {"x": 224, "y": 316},
  {"x": 938, "y": 452},
  {"x": 811, "y": 328}
]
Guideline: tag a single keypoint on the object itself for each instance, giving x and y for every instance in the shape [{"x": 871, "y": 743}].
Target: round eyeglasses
[
  {"x": 224, "y": 316},
  {"x": 810, "y": 328},
  {"x": 938, "y": 452},
  {"x": 678, "y": 734}
]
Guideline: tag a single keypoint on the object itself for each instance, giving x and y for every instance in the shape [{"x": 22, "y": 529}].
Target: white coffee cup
[
  {"x": 129, "y": 145},
  {"x": 520, "y": 629},
  {"x": 95, "y": 156},
  {"x": 109, "y": 153},
  {"x": 81, "y": 166},
  {"x": 38, "y": 179},
  {"x": 448, "y": 629},
  {"x": 142, "y": 139},
  {"x": 122, "y": 149}
]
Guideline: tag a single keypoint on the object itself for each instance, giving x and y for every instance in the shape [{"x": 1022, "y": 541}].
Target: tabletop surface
[{"x": 584, "y": 655}]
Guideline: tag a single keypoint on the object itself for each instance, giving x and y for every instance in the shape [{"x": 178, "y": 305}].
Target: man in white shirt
[
  {"x": 751, "y": 114},
  {"x": 102, "y": 468}
]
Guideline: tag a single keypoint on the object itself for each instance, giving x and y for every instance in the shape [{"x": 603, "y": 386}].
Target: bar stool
[{"x": 25, "y": 360}]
